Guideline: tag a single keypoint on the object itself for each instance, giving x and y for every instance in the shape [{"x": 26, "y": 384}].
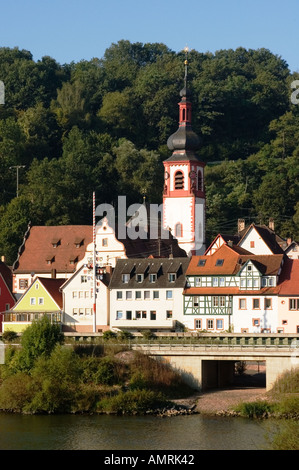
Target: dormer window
[
  {"x": 201, "y": 262},
  {"x": 219, "y": 262},
  {"x": 139, "y": 278},
  {"x": 125, "y": 278},
  {"x": 50, "y": 259},
  {"x": 56, "y": 242},
  {"x": 79, "y": 242},
  {"x": 152, "y": 278},
  {"x": 171, "y": 277}
]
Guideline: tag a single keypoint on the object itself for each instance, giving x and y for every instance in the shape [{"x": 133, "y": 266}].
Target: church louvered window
[{"x": 179, "y": 180}]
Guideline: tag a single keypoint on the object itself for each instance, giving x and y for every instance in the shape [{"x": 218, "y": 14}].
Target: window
[
  {"x": 199, "y": 181},
  {"x": 129, "y": 315},
  {"x": 255, "y": 283},
  {"x": 215, "y": 301},
  {"x": 201, "y": 262},
  {"x": 179, "y": 180},
  {"x": 105, "y": 242},
  {"x": 249, "y": 267},
  {"x": 152, "y": 278},
  {"x": 129, "y": 295},
  {"x": 271, "y": 281},
  {"x": 156, "y": 294},
  {"x": 252, "y": 244},
  {"x": 147, "y": 295},
  {"x": 75, "y": 311},
  {"x": 195, "y": 301},
  {"x": 242, "y": 304},
  {"x": 293, "y": 304},
  {"x": 256, "y": 304},
  {"x": 221, "y": 282},
  {"x": 86, "y": 294},
  {"x": 153, "y": 314},
  {"x": 256, "y": 322},
  {"x": 219, "y": 324},
  {"x": 210, "y": 324},
  {"x": 36, "y": 287},
  {"x": 88, "y": 311},
  {"x": 171, "y": 277},
  {"x": 243, "y": 283},
  {"x": 139, "y": 278},
  {"x": 143, "y": 314},
  {"x": 83, "y": 279},
  {"x": 81, "y": 294},
  {"x": 119, "y": 295},
  {"x": 264, "y": 282},
  {"x": 138, "y": 294},
  {"x": 178, "y": 230},
  {"x": 249, "y": 282},
  {"x": 81, "y": 311},
  {"x": 168, "y": 314},
  {"x": 23, "y": 283},
  {"x": 169, "y": 294},
  {"x": 125, "y": 278},
  {"x": 32, "y": 301},
  {"x": 197, "y": 282},
  {"x": 219, "y": 262},
  {"x": 40, "y": 301},
  {"x": 268, "y": 303},
  {"x": 119, "y": 314},
  {"x": 138, "y": 314},
  {"x": 215, "y": 281},
  {"x": 222, "y": 301},
  {"x": 7, "y": 307},
  {"x": 197, "y": 324},
  {"x": 74, "y": 294}
]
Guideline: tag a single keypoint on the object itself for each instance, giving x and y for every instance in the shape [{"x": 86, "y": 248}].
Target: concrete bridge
[{"x": 205, "y": 366}]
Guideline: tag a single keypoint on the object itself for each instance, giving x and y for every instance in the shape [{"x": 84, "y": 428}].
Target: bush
[
  {"x": 287, "y": 437},
  {"x": 39, "y": 339},
  {"x": 109, "y": 334},
  {"x": 9, "y": 336},
  {"x": 16, "y": 392},
  {"x": 257, "y": 409},
  {"x": 132, "y": 402}
]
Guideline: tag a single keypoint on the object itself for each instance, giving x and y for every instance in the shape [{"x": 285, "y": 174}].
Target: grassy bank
[{"x": 88, "y": 380}]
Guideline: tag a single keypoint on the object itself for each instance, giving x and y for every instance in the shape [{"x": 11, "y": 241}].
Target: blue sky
[{"x": 73, "y": 30}]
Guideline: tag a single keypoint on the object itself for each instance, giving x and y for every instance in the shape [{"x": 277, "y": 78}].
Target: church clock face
[{"x": 166, "y": 175}]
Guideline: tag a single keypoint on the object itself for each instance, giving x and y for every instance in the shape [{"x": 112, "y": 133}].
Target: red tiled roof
[
  {"x": 38, "y": 248},
  {"x": 232, "y": 263},
  {"x": 289, "y": 278},
  {"x": 53, "y": 286}
]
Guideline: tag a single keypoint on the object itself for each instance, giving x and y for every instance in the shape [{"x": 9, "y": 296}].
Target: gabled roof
[
  {"x": 160, "y": 266},
  {"x": 6, "y": 273},
  {"x": 232, "y": 263},
  {"x": 51, "y": 285},
  {"x": 41, "y": 246},
  {"x": 289, "y": 278},
  {"x": 268, "y": 236}
]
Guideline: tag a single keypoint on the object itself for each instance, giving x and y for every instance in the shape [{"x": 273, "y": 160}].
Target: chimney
[
  {"x": 241, "y": 225},
  {"x": 53, "y": 273},
  {"x": 271, "y": 224},
  {"x": 230, "y": 243}
]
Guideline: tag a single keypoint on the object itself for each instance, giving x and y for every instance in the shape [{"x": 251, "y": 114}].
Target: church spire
[{"x": 184, "y": 139}]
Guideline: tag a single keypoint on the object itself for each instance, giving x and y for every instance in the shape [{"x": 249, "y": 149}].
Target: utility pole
[{"x": 17, "y": 167}]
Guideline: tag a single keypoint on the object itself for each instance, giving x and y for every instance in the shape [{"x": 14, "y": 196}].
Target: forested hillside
[{"x": 102, "y": 125}]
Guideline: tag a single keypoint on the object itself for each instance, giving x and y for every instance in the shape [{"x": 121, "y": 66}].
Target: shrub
[
  {"x": 40, "y": 338},
  {"x": 16, "y": 392},
  {"x": 132, "y": 402},
  {"x": 9, "y": 336},
  {"x": 109, "y": 334},
  {"x": 256, "y": 409},
  {"x": 287, "y": 438}
]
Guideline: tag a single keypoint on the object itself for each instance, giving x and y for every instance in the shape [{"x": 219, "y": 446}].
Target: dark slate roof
[{"x": 160, "y": 266}]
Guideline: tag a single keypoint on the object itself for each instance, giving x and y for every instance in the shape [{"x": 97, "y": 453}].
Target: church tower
[{"x": 184, "y": 194}]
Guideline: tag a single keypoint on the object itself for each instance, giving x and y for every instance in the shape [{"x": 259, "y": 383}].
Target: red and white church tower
[{"x": 184, "y": 194}]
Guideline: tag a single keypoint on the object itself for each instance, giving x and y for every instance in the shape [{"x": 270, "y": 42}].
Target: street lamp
[{"x": 17, "y": 167}]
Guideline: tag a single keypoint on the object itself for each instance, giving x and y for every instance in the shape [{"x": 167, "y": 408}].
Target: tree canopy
[{"x": 102, "y": 125}]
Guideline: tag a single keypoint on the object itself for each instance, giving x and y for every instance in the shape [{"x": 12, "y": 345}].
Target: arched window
[
  {"x": 178, "y": 230},
  {"x": 179, "y": 180}
]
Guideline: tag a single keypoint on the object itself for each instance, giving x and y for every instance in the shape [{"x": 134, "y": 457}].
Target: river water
[{"x": 106, "y": 432}]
